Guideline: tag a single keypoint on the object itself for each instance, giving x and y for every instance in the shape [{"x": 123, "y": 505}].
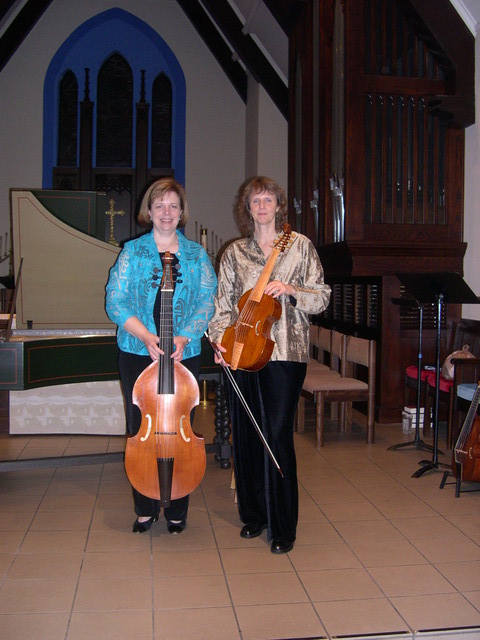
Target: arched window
[
  {"x": 114, "y": 113},
  {"x": 67, "y": 120},
  {"x": 161, "y": 122}
]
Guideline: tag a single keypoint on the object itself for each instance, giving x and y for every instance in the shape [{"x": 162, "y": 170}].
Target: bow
[{"x": 236, "y": 388}]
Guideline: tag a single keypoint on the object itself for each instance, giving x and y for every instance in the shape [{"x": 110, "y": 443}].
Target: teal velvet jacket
[{"x": 133, "y": 284}]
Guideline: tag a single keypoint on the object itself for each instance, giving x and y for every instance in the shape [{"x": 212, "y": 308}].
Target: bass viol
[
  {"x": 165, "y": 460},
  {"x": 466, "y": 453}
]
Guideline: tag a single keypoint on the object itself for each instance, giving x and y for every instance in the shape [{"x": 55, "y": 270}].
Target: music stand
[
  {"x": 418, "y": 443},
  {"x": 439, "y": 288}
]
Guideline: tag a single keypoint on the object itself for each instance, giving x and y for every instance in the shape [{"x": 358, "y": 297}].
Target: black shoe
[
  {"x": 252, "y": 529},
  {"x": 141, "y": 527},
  {"x": 175, "y": 527},
  {"x": 281, "y": 546}
]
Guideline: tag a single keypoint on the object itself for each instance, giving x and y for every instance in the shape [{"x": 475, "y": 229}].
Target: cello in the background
[{"x": 466, "y": 453}]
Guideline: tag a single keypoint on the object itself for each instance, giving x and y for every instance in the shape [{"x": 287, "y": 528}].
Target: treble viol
[{"x": 247, "y": 342}]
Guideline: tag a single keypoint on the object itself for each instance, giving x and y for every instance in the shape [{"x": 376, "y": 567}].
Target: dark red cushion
[
  {"x": 445, "y": 385},
  {"x": 412, "y": 372}
]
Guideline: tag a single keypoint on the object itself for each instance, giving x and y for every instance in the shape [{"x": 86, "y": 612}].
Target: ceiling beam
[
  {"x": 217, "y": 45},
  {"x": 5, "y": 8},
  {"x": 285, "y": 12},
  {"x": 249, "y": 53},
  {"x": 20, "y": 27}
]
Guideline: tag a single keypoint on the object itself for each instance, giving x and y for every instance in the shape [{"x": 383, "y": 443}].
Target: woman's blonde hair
[
  {"x": 251, "y": 187},
  {"x": 157, "y": 190}
]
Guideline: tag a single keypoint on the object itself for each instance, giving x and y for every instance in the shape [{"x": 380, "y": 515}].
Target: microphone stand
[{"x": 418, "y": 443}]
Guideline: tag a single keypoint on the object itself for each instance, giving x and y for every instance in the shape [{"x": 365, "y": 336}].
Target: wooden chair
[
  {"x": 346, "y": 388},
  {"x": 320, "y": 346},
  {"x": 324, "y": 345}
]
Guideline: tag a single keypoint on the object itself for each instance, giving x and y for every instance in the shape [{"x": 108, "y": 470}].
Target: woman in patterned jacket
[{"x": 133, "y": 302}]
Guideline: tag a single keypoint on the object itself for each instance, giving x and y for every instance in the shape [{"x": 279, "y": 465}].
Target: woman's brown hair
[
  {"x": 157, "y": 190},
  {"x": 241, "y": 207}
]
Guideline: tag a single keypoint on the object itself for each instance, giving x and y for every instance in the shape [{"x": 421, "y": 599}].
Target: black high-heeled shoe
[
  {"x": 141, "y": 527},
  {"x": 175, "y": 527}
]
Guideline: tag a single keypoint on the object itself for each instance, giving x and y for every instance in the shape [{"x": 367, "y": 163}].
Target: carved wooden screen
[
  {"x": 404, "y": 143},
  {"x": 354, "y": 306},
  {"x": 405, "y": 181},
  {"x": 408, "y": 159}
]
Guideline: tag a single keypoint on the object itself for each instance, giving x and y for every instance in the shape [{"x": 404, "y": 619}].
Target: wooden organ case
[{"x": 381, "y": 93}]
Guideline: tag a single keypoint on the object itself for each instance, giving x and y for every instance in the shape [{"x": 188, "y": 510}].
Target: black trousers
[
  {"x": 130, "y": 367},
  {"x": 262, "y": 494}
]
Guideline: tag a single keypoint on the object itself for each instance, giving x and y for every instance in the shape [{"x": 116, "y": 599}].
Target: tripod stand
[
  {"x": 418, "y": 443},
  {"x": 440, "y": 288},
  {"x": 433, "y": 463}
]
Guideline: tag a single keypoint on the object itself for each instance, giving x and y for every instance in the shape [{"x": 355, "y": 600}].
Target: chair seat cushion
[
  {"x": 333, "y": 383},
  {"x": 445, "y": 385},
  {"x": 315, "y": 379},
  {"x": 466, "y": 390},
  {"x": 315, "y": 365},
  {"x": 412, "y": 372}
]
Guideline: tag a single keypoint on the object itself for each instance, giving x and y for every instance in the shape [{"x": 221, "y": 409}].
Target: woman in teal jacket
[{"x": 133, "y": 303}]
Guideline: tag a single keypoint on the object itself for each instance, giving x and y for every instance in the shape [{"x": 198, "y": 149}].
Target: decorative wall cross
[{"x": 112, "y": 213}]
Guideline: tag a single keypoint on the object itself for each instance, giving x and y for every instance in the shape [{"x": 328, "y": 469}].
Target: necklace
[{"x": 167, "y": 244}]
